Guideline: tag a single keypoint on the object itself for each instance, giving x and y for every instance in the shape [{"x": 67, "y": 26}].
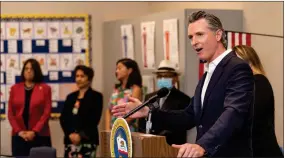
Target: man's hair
[{"x": 213, "y": 21}]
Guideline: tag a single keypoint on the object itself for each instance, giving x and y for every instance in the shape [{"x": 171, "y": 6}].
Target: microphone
[{"x": 160, "y": 94}]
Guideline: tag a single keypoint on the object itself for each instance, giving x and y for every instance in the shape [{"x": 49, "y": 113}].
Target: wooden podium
[{"x": 144, "y": 145}]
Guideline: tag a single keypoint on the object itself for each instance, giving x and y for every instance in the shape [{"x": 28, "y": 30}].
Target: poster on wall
[
  {"x": 2, "y": 62},
  {"x": 127, "y": 36},
  {"x": 8, "y": 89},
  {"x": 27, "y": 46},
  {"x": 147, "y": 44},
  {"x": 3, "y": 30},
  {"x": 66, "y": 62},
  {"x": 2, "y": 78},
  {"x": 26, "y": 29},
  {"x": 54, "y": 92},
  {"x": 3, "y": 93},
  {"x": 53, "y": 61},
  {"x": 12, "y": 30},
  {"x": 23, "y": 58},
  {"x": 50, "y": 40},
  {"x": 41, "y": 58},
  {"x": 66, "y": 29},
  {"x": 12, "y": 46},
  {"x": 12, "y": 62},
  {"x": 40, "y": 30},
  {"x": 53, "y": 30},
  {"x": 170, "y": 41},
  {"x": 148, "y": 84},
  {"x": 79, "y": 29},
  {"x": 78, "y": 59},
  {"x": 1, "y": 46}
]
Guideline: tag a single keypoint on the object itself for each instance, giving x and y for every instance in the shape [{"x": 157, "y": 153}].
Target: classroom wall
[
  {"x": 100, "y": 11},
  {"x": 112, "y": 34},
  {"x": 258, "y": 17}
]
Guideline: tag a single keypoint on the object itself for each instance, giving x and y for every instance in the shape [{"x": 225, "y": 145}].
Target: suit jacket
[
  {"x": 264, "y": 141},
  {"x": 224, "y": 125},
  {"x": 88, "y": 117},
  {"x": 39, "y": 110},
  {"x": 171, "y": 103}
]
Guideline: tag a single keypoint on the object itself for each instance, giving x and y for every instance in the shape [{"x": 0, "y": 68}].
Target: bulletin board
[{"x": 57, "y": 42}]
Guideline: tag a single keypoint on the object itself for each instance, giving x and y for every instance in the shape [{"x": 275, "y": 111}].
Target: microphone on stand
[{"x": 160, "y": 94}]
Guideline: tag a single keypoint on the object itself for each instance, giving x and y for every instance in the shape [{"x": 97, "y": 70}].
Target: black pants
[{"x": 20, "y": 147}]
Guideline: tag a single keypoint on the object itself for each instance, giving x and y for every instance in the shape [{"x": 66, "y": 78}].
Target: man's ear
[
  {"x": 219, "y": 34},
  {"x": 176, "y": 82}
]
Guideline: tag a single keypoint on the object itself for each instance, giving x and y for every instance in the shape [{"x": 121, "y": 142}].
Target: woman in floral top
[{"x": 130, "y": 84}]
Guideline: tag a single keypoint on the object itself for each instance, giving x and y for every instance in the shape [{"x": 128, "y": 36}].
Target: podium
[{"x": 144, "y": 145}]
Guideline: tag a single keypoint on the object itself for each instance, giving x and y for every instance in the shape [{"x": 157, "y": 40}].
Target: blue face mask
[{"x": 164, "y": 82}]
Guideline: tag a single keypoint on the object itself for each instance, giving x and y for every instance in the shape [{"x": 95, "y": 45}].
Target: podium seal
[{"x": 121, "y": 139}]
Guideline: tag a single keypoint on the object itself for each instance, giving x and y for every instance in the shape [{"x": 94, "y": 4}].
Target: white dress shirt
[
  {"x": 210, "y": 68},
  {"x": 162, "y": 100}
]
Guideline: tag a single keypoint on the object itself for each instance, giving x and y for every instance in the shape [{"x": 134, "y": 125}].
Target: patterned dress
[
  {"x": 120, "y": 96},
  {"x": 84, "y": 149}
]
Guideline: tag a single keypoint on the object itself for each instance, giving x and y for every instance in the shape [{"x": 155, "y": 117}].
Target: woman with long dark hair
[{"x": 130, "y": 84}]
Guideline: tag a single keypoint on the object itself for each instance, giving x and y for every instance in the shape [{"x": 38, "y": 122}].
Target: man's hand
[
  {"x": 122, "y": 109},
  {"x": 30, "y": 135},
  {"x": 75, "y": 138},
  {"x": 189, "y": 150}
]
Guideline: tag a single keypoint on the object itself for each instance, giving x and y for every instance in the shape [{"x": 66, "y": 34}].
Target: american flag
[{"x": 234, "y": 39}]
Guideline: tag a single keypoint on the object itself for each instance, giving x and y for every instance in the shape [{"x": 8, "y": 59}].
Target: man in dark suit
[
  {"x": 222, "y": 106},
  {"x": 167, "y": 77}
]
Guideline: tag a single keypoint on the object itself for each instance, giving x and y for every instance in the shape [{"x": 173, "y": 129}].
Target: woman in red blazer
[{"x": 29, "y": 110}]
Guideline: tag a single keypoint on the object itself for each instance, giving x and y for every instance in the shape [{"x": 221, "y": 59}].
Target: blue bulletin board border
[{"x": 55, "y": 114}]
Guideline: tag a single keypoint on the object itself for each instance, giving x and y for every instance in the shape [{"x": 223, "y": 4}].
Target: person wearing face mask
[
  {"x": 81, "y": 115},
  {"x": 222, "y": 106},
  {"x": 167, "y": 77}
]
